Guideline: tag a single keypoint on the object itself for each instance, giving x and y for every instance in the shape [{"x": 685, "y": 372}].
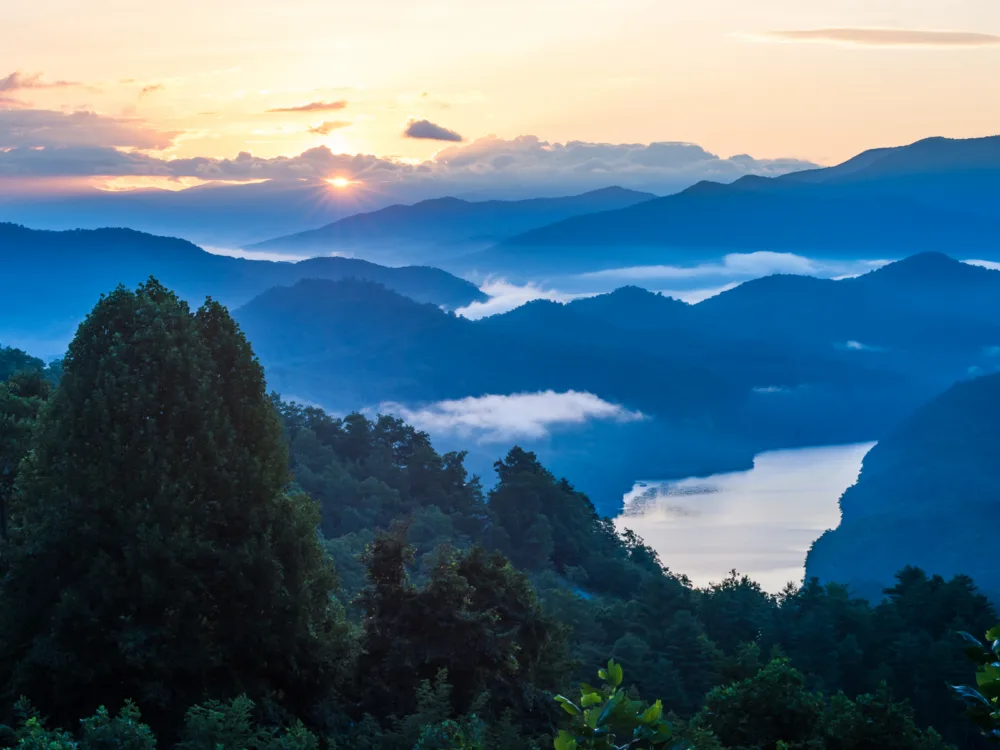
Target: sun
[{"x": 339, "y": 182}]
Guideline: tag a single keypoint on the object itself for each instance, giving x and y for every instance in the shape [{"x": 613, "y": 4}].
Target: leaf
[
  {"x": 590, "y": 699},
  {"x": 603, "y": 674},
  {"x": 652, "y": 713},
  {"x": 564, "y": 741},
  {"x": 970, "y": 694},
  {"x": 608, "y": 707},
  {"x": 988, "y": 675},
  {"x": 993, "y": 633},
  {"x": 615, "y": 673},
  {"x": 568, "y": 706},
  {"x": 587, "y": 689}
]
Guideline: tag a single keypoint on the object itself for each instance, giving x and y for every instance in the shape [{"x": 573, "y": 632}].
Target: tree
[
  {"x": 155, "y": 554},
  {"x": 772, "y": 706},
  {"x": 545, "y": 519},
  {"x": 475, "y": 619}
]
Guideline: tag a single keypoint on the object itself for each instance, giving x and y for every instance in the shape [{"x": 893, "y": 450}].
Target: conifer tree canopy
[{"x": 155, "y": 554}]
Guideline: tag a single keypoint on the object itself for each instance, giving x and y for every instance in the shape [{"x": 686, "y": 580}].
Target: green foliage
[
  {"x": 453, "y": 735},
  {"x": 13, "y": 361},
  {"x": 773, "y": 705},
  {"x": 22, "y": 396},
  {"x": 476, "y": 618},
  {"x": 608, "y": 718},
  {"x": 102, "y": 731},
  {"x": 154, "y": 552},
  {"x": 775, "y": 708},
  {"x": 365, "y": 474},
  {"x": 983, "y": 701},
  {"x": 161, "y": 549}
]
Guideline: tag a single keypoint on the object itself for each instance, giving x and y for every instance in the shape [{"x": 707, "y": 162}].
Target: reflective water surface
[{"x": 760, "y": 522}]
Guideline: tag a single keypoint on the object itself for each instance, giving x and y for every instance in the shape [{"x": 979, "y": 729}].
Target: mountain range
[
  {"x": 933, "y": 195},
  {"x": 51, "y": 278},
  {"x": 777, "y": 362},
  {"x": 442, "y": 229}
]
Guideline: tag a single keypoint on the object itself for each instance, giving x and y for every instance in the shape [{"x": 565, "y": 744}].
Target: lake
[{"x": 760, "y": 522}]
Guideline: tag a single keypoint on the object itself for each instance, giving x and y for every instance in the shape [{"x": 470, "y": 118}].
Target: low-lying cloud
[
  {"x": 501, "y": 418},
  {"x": 742, "y": 265},
  {"x": 858, "y": 346},
  {"x": 505, "y": 296},
  {"x": 883, "y": 37}
]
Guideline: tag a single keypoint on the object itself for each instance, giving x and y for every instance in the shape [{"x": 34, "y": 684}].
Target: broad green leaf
[
  {"x": 568, "y": 706},
  {"x": 652, "y": 713},
  {"x": 590, "y": 699},
  {"x": 989, "y": 674},
  {"x": 993, "y": 633},
  {"x": 585, "y": 688},
  {"x": 564, "y": 741}
]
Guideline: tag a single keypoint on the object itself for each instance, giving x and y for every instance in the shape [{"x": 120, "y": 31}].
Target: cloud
[
  {"x": 499, "y": 418},
  {"x": 884, "y": 37},
  {"x": 741, "y": 265},
  {"x": 487, "y": 168},
  {"x": 990, "y": 264},
  {"x": 325, "y": 128},
  {"x": 505, "y": 296},
  {"x": 314, "y": 107},
  {"x": 18, "y": 81},
  {"x": 497, "y": 167},
  {"x": 428, "y": 130},
  {"x": 235, "y": 252},
  {"x": 39, "y": 128},
  {"x": 857, "y": 346},
  {"x": 317, "y": 163},
  {"x": 151, "y": 88}
]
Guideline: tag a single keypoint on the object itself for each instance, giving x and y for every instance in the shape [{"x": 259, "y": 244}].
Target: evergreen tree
[{"x": 154, "y": 554}]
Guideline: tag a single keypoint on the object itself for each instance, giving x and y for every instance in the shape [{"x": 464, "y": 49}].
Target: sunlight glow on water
[{"x": 760, "y": 522}]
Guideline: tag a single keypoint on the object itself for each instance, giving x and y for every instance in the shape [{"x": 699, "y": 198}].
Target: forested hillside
[
  {"x": 258, "y": 574},
  {"x": 946, "y": 449}
]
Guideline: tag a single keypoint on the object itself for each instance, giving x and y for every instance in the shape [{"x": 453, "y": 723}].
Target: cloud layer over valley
[{"x": 498, "y": 418}]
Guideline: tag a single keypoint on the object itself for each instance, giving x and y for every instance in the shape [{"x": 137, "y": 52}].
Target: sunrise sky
[{"x": 817, "y": 81}]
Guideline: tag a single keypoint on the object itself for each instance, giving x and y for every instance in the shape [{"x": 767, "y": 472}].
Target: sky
[{"x": 152, "y": 93}]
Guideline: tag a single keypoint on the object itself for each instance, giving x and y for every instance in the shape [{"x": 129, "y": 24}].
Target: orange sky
[{"x": 204, "y": 75}]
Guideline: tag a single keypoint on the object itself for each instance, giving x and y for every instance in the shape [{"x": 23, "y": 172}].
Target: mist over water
[{"x": 760, "y": 522}]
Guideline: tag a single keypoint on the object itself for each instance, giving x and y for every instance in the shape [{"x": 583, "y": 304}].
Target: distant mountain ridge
[
  {"x": 51, "y": 278},
  {"x": 443, "y": 228},
  {"x": 934, "y": 195},
  {"x": 214, "y": 214}
]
